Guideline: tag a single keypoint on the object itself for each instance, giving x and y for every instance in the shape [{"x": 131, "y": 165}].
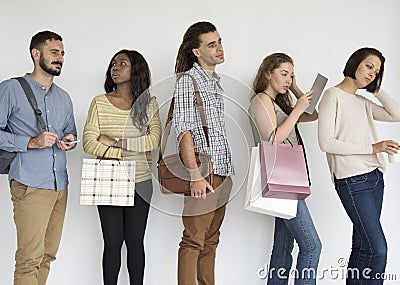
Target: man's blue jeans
[
  {"x": 362, "y": 197},
  {"x": 301, "y": 228}
]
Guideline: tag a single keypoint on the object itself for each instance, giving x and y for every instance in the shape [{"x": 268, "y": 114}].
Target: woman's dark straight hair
[{"x": 354, "y": 61}]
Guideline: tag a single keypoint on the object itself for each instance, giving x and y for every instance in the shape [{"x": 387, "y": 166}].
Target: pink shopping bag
[{"x": 283, "y": 171}]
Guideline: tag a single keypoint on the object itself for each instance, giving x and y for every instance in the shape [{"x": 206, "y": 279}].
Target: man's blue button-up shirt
[{"x": 39, "y": 168}]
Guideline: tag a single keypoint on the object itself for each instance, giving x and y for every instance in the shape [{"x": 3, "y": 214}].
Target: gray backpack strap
[{"x": 31, "y": 98}]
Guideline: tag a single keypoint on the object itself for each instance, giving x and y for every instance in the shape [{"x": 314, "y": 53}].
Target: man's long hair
[{"x": 191, "y": 40}]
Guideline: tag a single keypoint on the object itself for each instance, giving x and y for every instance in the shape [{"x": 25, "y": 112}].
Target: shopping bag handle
[
  {"x": 272, "y": 136},
  {"x": 104, "y": 154}
]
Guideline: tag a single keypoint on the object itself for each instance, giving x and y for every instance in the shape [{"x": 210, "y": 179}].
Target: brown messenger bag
[{"x": 173, "y": 175}]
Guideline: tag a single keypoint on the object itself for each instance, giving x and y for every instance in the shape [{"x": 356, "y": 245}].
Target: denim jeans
[
  {"x": 362, "y": 197},
  {"x": 301, "y": 229}
]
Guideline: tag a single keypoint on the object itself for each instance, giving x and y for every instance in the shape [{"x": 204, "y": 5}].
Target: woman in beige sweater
[
  {"x": 126, "y": 122},
  {"x": 347, "y": 133}
]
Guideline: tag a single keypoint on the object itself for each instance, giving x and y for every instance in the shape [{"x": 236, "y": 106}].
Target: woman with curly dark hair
[{"x": 125, "y": 121}]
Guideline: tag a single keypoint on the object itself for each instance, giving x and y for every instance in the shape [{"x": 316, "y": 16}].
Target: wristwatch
[{"x": 116, "y": 140}]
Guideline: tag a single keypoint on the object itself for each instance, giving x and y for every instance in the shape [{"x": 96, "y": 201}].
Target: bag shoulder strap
[
  {"x": 167, "y": 129},
  {"x": 300, "y": 141},
  {"x": 31, "y": 98},
  {"x": 273, "y": 133},
  {"x": 200, "y": 107}
]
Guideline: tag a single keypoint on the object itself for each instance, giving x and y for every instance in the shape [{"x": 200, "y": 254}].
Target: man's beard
[{"x": 48, "y": 69}]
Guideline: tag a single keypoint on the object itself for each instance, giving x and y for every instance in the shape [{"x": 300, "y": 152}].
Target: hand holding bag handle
[{"x": 173, "y": 175}]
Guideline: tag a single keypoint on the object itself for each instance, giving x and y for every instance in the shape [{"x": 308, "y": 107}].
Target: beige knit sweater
[
  {"x": 346, "y": 130},
  {"x": 104, "y": 118}
]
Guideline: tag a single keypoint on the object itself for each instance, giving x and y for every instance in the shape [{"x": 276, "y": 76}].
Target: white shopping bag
[{"x": 282, "y": 208}]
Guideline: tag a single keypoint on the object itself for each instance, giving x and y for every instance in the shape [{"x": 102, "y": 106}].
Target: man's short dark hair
[{"x": 38, "y": 40}]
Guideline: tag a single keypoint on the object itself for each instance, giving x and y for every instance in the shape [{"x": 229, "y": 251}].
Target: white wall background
[{"x": 319, "y": 35}]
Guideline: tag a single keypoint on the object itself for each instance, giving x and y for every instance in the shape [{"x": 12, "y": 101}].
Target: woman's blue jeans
[
  {"x": 301, "y": 228},
  {"x": 362, "y": 197}
]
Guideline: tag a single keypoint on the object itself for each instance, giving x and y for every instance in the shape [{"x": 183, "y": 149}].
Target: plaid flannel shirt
[{"x": 187, "y": 118}]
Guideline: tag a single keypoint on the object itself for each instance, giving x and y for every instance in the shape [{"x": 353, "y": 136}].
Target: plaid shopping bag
[{"x": 107, "y": 182}]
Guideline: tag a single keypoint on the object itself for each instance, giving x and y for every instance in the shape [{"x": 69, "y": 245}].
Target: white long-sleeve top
[{"x": 346, "y": 130}]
